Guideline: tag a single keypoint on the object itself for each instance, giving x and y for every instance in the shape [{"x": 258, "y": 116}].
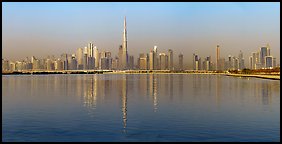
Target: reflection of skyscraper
[
  {"x": 124, "y": 99},
  {"x": 218, "y": 90},
  {"x": 153, "y": 90},
  {"x": 90, "y": 95},
  {"x": 266, "y": 93}
]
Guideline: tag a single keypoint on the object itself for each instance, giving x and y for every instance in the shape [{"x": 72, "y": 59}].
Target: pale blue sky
[{"x": 42, "y": 29}]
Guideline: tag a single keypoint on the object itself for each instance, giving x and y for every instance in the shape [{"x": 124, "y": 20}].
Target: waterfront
[{"x": 139, "y": 107}]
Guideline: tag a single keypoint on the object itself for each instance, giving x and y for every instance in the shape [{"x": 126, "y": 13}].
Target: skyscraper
[
  {"x": 79, "y": 55},
  {"x": 90, "y": 52},
  {"x": 131, "y": 62},
  {"x": 120, "y": 57},
  {"x": 143, "y": 61},
  {"x": 241, "y": 61},
  {"x": 152, "y": 60},
  {"x": 163, "y": 62},
  {"x": 170, "y": 59},
  {"x": 217, "y": 57},
  {"x": 251, "y": 62},
  {"x": 269, "y": 62},
  {"x": 124, "y": 46},
  {"x": 96, "y": 57},
  {"x": 156, "y": 62},
  {"x": 180, "y": 56},
  {"x": 263, "y": 54}
]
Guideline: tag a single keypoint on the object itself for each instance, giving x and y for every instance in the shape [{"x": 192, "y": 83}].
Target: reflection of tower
[
  {"x": 90, "y": 97},
  {"x": 180, "y": 86},
  {"x": 153, "y": 90},
  {"x": 217, "y": 90},
  {"x": 124, "y": 100},
  {"x": 90, "y": 93},
  {"x": 266, "y": 93},
  {"x": 171, "y": 86}
]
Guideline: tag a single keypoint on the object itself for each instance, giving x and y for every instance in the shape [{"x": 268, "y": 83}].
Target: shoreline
[{"x": 272, "y": 77}]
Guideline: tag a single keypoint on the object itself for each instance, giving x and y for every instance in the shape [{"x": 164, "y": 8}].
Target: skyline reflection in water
[{"x": 145, "y": 107}]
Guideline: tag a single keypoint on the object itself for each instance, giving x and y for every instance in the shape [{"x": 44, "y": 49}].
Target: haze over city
[{"x": 42, "y": 29}]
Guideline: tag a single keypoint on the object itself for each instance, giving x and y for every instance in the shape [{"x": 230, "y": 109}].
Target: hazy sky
[{"x": 41, "y": 29}]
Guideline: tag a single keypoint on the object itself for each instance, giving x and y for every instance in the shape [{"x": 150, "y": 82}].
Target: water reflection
[
  {"x": 93, "y": 87},
  {"x": 183, "y": 98},
  {"x": 266, "y": 93},
  {"x": 153, "y": 86},
  {"x": 124, "y": 100},
  {"x": 180, "y": 86},
  {"x": 90, "y": 94},
  {"x": 218, "y": 89}
]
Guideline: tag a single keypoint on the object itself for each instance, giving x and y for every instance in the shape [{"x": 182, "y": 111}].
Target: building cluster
[
  {"x": 221, "y": 64},
  {"x": 259, "y": 60},
  {"x": 262, "y": 59},
  {"x": 90, "y": 58}
]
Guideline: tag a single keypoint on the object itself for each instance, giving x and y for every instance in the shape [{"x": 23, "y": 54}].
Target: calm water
[{"x": 164, "y": 107}]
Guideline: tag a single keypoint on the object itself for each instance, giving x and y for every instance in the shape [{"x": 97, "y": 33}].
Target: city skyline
[{"x": 12, "y": 41}]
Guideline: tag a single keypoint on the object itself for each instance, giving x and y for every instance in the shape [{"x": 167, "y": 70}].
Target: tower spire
[
  {"x": 124, "y": 45},
  {"x": 124, "y": 26}
]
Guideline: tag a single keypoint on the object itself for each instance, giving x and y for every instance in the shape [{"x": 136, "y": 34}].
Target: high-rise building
[
  {"x": 254, "y": 60},
  {"x": 115, "y": 63},
  {"x": 170, "y": 59},
  {"x": 241, "y": 60},
  {"x": 85, "y": 65},
  {"x": 268, "y": 62},
  {"x": 235, "y": 63},
  {"x": 156, "y": 62},
  {"x": 96, "y": 57},
  {"x": 268, "y": 49},
  {"x": 217, "y": 57},
  {"x": 120, "y": 51},
  {"x": 263, "y": 54},
  {"x": 90, "y": 50},
  {"x": 50, "y": 65},
  {"x": 79, "y": 55},
  {"x": 5, "y": 65},
  {"x": 91, "y": 58},
  {"x": 180, "y": 57},
  {"x": 152, "y": 60},
  {"x": 59, "y": 64},
  {"x": 251, "y": 62},
  {"x": 207, "y": 64},
  {"x": 274, "y": 63},
  {"x": 163, "y": 61},
  {"x": 131, "y": 62},
  {"x": 64, "y": 58},
  {"x": 143, "y": 61},
  {"x": 124, "y": 61},
  {"x": 196, "y": 62}
]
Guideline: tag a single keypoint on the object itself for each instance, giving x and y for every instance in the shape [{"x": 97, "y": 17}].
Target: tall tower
[
  {"x": 217, "y": 57},
  {"x": 170, "y": 59},
  {"x": 124, "y": 46}
]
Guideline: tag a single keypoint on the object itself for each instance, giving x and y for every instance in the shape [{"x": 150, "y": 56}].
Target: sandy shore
[{"x": 273, "y": 77}]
